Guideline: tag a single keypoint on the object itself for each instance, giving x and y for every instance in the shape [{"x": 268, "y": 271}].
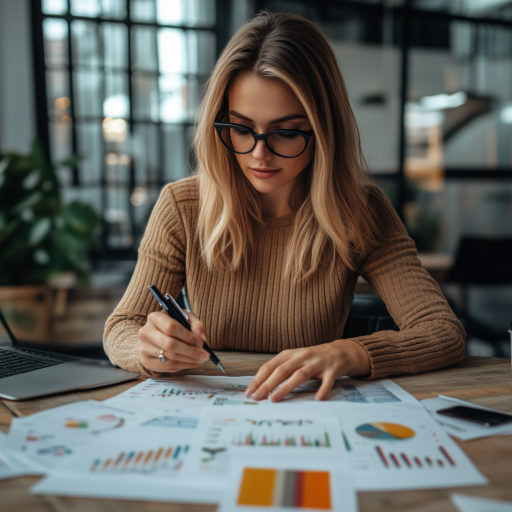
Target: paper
[
  {"x": 269, "y": 433},
  {"x": 138, "y": 463},
  {"x": 398, "y": 448},
  {"x": 464, "y": 430},
  {"x": 260, "y": 487},
  {"x": 13, "y": 465},
  {"x": 215, "y": 391},
  {"x": 473, "y": 504},
  {"x": 48, "y": 436}
]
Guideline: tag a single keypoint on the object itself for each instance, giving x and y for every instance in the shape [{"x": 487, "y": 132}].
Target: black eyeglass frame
[{"x": 306, "y": 135}]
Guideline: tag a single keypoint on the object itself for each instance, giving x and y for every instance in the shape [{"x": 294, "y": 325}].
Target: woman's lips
[{"x": 264, "y": 174}]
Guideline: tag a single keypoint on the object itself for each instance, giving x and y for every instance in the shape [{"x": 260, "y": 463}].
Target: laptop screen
[{"x": 6, "y": 335}]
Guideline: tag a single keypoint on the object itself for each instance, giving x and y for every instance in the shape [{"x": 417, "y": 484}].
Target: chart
[
  {"x": 252, "y": 439},
  {"x": 385, "y": 431},
  {"x": 145, "y": 461},
  {"x": 285, "y": 488}
]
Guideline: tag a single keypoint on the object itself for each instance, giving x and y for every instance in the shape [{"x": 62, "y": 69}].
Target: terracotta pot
[{"x": 29, "y": 312}]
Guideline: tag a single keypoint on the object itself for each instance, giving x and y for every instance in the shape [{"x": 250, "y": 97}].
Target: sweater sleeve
[
  {"x": 161, "y": 261},
  {"x": 430, "y": 335}
]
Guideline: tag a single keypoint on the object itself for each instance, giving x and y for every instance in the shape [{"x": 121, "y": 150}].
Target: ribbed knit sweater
[{"x": 255, "y": 309}]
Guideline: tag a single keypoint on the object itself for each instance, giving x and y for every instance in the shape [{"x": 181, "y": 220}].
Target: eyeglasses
[{"x": 284, "y": 143}]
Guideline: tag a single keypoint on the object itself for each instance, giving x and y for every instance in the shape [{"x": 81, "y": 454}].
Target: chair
[
  {"x": 368, "y": 314},
  {"x": 481, "y": 261}
]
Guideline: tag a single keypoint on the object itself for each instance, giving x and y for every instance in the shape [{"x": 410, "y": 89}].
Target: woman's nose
[{"x": 260, "y": 151}]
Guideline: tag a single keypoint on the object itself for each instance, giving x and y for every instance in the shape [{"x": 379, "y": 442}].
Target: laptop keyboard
[{"x": 15, "y": 364}]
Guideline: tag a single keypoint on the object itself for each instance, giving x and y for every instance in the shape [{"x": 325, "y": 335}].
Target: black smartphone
[{"x": 480, "y": 416}]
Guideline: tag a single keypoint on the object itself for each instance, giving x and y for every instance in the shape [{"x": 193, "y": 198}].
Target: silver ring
[{"x": 161, "y": 356}]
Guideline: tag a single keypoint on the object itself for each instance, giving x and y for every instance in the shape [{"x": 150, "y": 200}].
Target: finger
[
  {"x": 299, "y": 377},
  {"x": 280, "y": 374},
  {"x": 155, "y": 341},
  {"x": 167, "y": 367},
  {"x": 327, "y": 383},
  {"x": 151, "y": 351},
  {"x": 174, "y": 329},
  {"x": 197, "y": 326},
  {"x": 264, "y": 373}
]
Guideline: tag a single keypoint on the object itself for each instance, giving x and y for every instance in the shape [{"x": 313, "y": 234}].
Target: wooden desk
[{"x": 483, "y": 381}]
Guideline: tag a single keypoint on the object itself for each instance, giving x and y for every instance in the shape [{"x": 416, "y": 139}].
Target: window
[{"x": 118, "y": 83}]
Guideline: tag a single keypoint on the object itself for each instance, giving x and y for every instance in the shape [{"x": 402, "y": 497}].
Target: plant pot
[{"x": 29, "y": 312}]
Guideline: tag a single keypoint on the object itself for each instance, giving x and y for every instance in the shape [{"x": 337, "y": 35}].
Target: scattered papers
[
  {"x": 464, "y": 430},
  {"x": 278, "y": 486},
  {"x": 398, "y": 448},
  {"x": 472, "y": 504}
]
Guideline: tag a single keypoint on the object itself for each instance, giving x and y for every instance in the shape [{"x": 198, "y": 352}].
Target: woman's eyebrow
[{"x": 280, "y": 120}]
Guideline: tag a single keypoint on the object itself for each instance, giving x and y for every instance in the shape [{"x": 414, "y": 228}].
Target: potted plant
[{"x": 42, "y": 241}]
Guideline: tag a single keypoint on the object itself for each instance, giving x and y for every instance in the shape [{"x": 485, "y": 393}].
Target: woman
[{"x": 273, "y": 231}]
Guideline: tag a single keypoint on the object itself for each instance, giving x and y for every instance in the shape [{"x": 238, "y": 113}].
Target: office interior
[{"x": 430, "y": 83}]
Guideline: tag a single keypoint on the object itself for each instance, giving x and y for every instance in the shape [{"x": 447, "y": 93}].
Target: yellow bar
[{"x": 257, "y": 487}]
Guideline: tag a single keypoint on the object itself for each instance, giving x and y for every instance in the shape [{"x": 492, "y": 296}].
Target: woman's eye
[
  {"x": 287, "y": 135},
  {"x": 241, "y": 131}
]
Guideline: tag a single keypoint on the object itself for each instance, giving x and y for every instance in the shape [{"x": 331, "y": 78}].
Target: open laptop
[{"x": 28, "y": 373}]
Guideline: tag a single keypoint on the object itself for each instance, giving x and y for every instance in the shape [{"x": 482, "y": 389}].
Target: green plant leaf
[
  {"x": 72, "y": 161},
  {"x": 39, "y": 231},
  {"x": 80, "y": 217}
]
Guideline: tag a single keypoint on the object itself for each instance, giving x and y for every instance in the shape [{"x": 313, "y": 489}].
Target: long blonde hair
[{"x": 333, "y": 219}]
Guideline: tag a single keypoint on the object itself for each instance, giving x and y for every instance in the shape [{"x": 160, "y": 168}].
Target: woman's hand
[
  {"x": 326, "y": 362},
  {"x": 181, "y": 348}
]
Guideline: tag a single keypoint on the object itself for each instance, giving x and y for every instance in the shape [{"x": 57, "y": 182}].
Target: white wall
[{"x": 17, "y": 111}]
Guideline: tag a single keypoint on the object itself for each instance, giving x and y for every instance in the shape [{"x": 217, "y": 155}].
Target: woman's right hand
[{"x": 181, "y": 348}]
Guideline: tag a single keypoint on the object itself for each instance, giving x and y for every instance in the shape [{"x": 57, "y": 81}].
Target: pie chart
[{"x": 385, "y": 431}]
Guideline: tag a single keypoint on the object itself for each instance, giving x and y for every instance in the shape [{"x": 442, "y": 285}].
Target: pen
[{"x": 174, "y": 311}]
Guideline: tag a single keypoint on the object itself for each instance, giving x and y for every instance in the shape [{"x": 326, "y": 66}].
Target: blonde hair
[{"x": 333, "y": 219}]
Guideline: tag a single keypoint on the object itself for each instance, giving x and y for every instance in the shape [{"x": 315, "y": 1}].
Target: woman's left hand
[{"x": 327, "y": 362}]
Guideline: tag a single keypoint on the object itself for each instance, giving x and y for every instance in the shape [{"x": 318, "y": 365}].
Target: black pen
[{"x": 174, "y": 311}]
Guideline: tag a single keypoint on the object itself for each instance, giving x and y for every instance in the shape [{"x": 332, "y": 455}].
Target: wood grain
[{"x": 483, "y": 381}]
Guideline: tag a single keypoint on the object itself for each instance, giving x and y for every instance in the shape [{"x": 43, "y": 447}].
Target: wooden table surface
[{"x": 480, "y": 380}]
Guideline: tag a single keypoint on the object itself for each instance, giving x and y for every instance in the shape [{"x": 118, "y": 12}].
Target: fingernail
[
  {"x": 256, "y": 395},
  {"x": 199, "y": 343},
  {"x": 248, "y": 393},
  {"x": 203, "y": 337}
]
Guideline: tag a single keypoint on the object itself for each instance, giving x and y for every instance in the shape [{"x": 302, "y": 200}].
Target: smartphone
[{"x": 480, "y": 416}]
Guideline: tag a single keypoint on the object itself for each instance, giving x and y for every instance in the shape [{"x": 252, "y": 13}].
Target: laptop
[{"x": 29, "y": 373}]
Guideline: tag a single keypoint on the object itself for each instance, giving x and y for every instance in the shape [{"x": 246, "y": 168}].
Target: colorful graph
[
  {"x": 190, "y": 393},
  {"x": 266, "y": 440},
  {"x": 142, "y": 461},
  {"x": 402, "y": 460},
  {"x": 385, "y": 431},
  {"x": 283, "y": 488},
  {"x": 73, "y": 423}
]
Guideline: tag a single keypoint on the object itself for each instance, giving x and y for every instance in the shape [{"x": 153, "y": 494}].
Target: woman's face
[{"x": 264, "y": 105}]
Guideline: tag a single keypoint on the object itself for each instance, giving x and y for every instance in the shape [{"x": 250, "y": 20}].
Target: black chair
[
  {"x": 481, "y": 261},
  {"x": 368, "y": 314}
]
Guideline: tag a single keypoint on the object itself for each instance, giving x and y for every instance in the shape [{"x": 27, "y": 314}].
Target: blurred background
[{"x": 110, "y": 89}]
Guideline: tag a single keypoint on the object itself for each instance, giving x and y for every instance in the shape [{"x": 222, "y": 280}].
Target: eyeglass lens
[{"x": 283, "y": 143}]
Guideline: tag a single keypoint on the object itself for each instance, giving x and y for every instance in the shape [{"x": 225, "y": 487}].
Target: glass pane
[
  {"x": 118, "y": 219},
  {"x": 172, "y": 51},
  {"x": 201, "y": 49},
  {"x": 143, "y": 10},
  {"x": 89, "y": 195},
  {"x": 145, "y": 97},
  {"x": 174, "y": 148},
  {"x": 55, "y": 33},
  {"x": 146, "y": 154},
  {"x": 85, "y": 43},
  {"x": 54, "y": 6},
  {"x": 191, "y": 13},
  {"x": 90, "y": 8},
  {"x": 90, "y": 147},
  {"x": 117, "y": 102},
  {"x": 460, "y": 99},
  {"x": 178, "y": 98},
  {"x": 498, "y": 9},
  {"x": 144, "y": 52},
  {"x": 115, "y": 45},
  {"x": 115, "y": 9},
  {"x": 60, "y": 144},
  {"x": 57, "y": 90},
  {"x": 88, "y": 95},
  {"x": 370, "y": 65}
]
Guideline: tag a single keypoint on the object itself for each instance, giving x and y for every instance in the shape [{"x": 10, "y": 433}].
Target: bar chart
[{"x": 252, "y": 439}]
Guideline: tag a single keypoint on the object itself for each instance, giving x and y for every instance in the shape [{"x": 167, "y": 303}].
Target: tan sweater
[{"x": 255, "y": 310}]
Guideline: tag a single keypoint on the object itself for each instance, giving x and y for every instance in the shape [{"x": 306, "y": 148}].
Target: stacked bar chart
[{"x": 267, "y": 440}]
